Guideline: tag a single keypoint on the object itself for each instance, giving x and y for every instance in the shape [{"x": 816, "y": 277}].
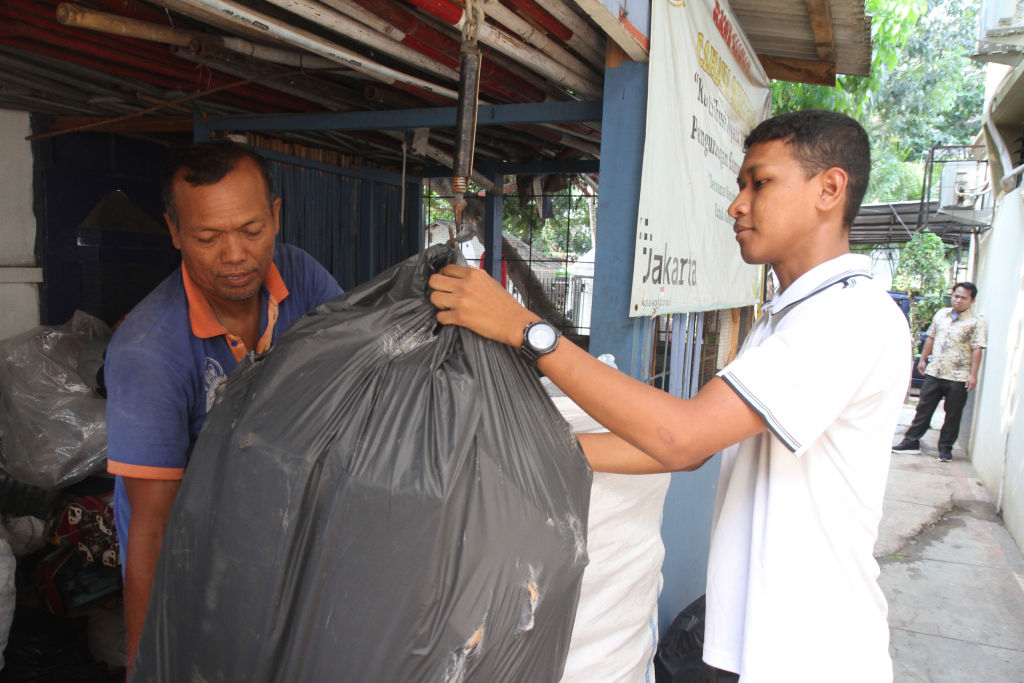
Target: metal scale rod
[{"x": 465, "y": 121}]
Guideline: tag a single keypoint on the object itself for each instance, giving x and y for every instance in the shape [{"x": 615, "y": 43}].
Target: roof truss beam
[
  {"x": 799, "y": 70},
  {"x": 820, "y": 14}
]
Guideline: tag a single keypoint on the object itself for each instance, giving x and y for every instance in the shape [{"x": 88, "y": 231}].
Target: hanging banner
[{"x": 707, "y": 90}]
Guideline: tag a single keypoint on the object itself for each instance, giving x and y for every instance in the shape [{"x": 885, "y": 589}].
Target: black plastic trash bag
[
  {"x": 680, "y": 657},
  {"x": 377, "y": 499}
]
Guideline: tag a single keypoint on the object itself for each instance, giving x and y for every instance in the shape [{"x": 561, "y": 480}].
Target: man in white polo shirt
[{"x": 803, "y": 417}]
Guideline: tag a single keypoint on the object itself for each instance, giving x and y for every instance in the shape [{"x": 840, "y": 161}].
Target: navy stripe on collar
[{"x": 823, "y": 286}]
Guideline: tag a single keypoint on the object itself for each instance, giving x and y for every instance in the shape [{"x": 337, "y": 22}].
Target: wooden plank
[
  {"x": 820, "y": 14},
  {"x": 614, "y": 55},
  {"x": 799, "y": 70},
  {"x": 142, "y": 124},
  {"x": 615, "y": 29}
]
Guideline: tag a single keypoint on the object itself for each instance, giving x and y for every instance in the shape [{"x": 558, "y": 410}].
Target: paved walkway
[{"x": 951, "y": 572}]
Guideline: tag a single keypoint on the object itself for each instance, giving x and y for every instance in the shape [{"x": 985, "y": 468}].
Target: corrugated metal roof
[
  {"x": 894, "y": 223},
  {"x": 782, "y": 28}
]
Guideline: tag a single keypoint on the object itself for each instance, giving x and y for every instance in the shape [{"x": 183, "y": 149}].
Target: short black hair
[
  {"x": 206, "y": 163},
  {"x": 969, "y": 286},
  {"x": 822, "y": 140}
]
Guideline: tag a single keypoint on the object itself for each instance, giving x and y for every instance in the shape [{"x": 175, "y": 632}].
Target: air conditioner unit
[
  {"x": 964, "y": 192},
  {"x": 1001, "y": 19}
]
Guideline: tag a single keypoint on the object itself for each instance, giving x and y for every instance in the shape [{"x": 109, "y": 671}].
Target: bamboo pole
[
  {"x": 207, "y": 16},
  {"x": 243, "y": 67},
  {"x": 512, "y": 47},
  {"x": 538, "y": 61},
  {"x": 339, "y": 23},
  {"x": 364, "y": 16},
  {"x": 82, "y": 17},
  {"x": 591, "y": 44},
  {"x": 265, "y": 52},
  {"x": 312, "y": 43},
  {"x": 538, "y": 39}
]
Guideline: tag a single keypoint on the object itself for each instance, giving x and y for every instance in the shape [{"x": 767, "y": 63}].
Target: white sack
[{"x": 616, "y": 629}]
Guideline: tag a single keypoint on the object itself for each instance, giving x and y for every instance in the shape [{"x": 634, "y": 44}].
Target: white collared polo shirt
[{"x": 792, "y": 582}]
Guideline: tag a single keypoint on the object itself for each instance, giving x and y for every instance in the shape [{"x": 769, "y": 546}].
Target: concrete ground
[{"x": 952, "y": 574}]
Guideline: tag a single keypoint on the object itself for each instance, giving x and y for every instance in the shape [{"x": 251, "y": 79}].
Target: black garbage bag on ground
[
  {"x": 377, "y": 499},
  {"x": 680, "y": 657}
]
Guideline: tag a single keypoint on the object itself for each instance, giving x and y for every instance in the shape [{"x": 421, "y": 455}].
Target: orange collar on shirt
[{"x": 205, "y": 324}]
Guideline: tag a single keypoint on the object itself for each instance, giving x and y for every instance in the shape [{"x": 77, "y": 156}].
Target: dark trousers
[{"x": 932, "y": 391}]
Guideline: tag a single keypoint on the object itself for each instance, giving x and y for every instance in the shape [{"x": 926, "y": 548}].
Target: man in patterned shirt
[{"x": 954, "y": 345}]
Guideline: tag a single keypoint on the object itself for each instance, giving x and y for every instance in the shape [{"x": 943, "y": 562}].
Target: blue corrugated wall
[{"x": 349, "y": 221}]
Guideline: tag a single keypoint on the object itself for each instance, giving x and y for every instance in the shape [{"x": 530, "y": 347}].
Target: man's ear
[
  {"x": 175, "y": 237},
  {"x": 276, "y": 212},
  {"x": 833, "y": 184}
]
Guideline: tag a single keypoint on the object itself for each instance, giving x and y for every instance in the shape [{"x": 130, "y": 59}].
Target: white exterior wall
[
  {"x": 997, "y": 436},
  {"x": 19, "y": 291}
]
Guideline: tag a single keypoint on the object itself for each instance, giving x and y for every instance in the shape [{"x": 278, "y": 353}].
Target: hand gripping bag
[{"x": 377, "y": 499}]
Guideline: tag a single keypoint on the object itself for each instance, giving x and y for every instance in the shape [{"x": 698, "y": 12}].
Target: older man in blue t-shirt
[{"x": 236, "y": 291}]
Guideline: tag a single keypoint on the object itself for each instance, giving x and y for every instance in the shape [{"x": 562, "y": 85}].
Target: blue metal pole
[
  {"x": 494, "y": 216},
  {"x": 409, "y": 119},
  {"x": 200, "y": 127},
  {"x": 689, "y": 505},
  {"x": 624, "y": 122}
]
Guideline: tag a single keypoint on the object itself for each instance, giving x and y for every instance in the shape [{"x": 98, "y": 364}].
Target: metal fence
[
  {"x": 548, "y": 247},
  {"x": 351, "y": 221},
  {"x": 682, "y": 352}
]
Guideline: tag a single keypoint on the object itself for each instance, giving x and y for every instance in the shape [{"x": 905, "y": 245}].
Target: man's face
[
  {"x": 961, "y": 299},
  {"x": 774, "y": 210},
  {"x": 225, "y": 232}
]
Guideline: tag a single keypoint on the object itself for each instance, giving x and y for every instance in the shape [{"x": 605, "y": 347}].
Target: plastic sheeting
[
  {"x": 7, "y": 595},
  {"x": 377, "y": 498},
  {"x": 53, "y": 427}
]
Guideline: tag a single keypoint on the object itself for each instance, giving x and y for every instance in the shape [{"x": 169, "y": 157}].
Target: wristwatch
[{"x": 539, "y": 338}]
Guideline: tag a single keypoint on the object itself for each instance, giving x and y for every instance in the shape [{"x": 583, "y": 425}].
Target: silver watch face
[{"x": 542, "y": 337}]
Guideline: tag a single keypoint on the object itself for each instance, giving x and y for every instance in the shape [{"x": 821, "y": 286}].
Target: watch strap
[{"x": 528, "y": 351}]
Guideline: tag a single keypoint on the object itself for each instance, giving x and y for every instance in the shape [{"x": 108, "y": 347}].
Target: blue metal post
[
  {"x": 200, "y": 129},
  {"x": 494, "y": 215},
  {"x": 415, "y": 218},
  {"x": 624, "y": 123},
  {"x": 689, "y": 505},
  {"x": 367, "y": 234}
]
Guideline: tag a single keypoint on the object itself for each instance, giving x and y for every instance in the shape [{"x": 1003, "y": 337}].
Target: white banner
[{"x": 707, "y": 90}]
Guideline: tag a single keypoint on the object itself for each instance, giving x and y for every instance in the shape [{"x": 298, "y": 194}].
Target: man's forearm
[
  {"x": 680, "y": 434},
  {"x": 972, "y": 378},
  {"x": 140, "y": 568},
  {"x": 151, "y": 501},
  {"x": 926, "y": 350},
  {"x": 608, "y": 453},
  {"x": 677, "y": 433}
]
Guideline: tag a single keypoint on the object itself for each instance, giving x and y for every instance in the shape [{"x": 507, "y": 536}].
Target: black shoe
[
  {"x": 945, "y": 457},
  {"x": 908, "y": 447}
]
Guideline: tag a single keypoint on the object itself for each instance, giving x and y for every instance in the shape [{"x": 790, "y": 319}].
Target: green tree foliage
[
  {"x": 935, "y": 94},
  {"x": 922, "y": 272},
  {"x": 925, "y": 309},
  {"x": 566, "y": 236},
  {"x": 892, "y": 24},
  {"x": 923, "y": 89}
]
